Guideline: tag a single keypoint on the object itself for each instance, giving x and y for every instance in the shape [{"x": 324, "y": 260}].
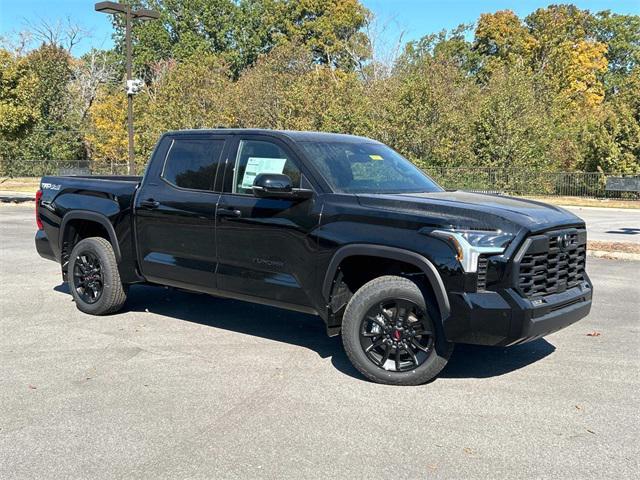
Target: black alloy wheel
[
  {"x": 390, "y": 332},
  {"x": 396, "y": 335},
  {"x": 87, "y": 277}
]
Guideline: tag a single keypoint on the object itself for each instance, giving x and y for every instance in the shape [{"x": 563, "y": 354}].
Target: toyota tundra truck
[{"x": 339, "y": 226}]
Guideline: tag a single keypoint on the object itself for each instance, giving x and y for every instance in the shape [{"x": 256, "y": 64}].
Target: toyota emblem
[{"x": 564, "y": 241}]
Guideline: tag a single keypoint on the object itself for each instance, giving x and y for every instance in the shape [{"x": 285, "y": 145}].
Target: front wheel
[
  {"x": 94, "y": 279},
  {"x": 390, "y": 335}
]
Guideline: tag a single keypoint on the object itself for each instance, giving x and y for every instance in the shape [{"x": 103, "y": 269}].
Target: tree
[
  {"x": 568, "y": 53},
  {"x": 512, "y": 129},
  {"x": 502, "y": 39},
  {"x": 107, "y": 133},
  {"x": 240, "y": 31},
  {"x": 36, "y": 122},
  {"x": 426, "y": 111},
  {"x": 90, "y": 72},
  {"x": 621, "y": 35},
  {"x": 192, "y": 94},
  {"x": 17, "y": 90},
  {"x": 611, "y": 143},
  {"x": 448, "y": 46}
]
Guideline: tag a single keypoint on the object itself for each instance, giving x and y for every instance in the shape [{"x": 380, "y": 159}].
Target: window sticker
[
  {"x": 258, "y": 165},
  {"x": 376, "y": 157}
]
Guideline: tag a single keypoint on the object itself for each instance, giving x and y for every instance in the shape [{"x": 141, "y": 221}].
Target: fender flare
[
  {"x": 392, "y": 253},
  {"x": 92, "y": 217}
]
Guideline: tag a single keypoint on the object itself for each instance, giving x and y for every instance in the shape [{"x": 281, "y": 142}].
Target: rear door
[
  {"x": 264, "y": 246},
  {"x": 175, "y": 212}
]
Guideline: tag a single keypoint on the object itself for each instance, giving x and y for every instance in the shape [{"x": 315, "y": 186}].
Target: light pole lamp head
[
  {"x": 110, "y": 7},
  {"x": 145, "y": 14}
]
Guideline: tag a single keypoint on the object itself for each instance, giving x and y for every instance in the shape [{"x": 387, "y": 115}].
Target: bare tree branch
[
  {"x": 64, "y": 34},
  {"x": 92, "y": 71}
]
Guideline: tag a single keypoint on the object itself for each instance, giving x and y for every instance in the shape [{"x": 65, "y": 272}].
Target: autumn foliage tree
[{"x": 557, "y": 90}]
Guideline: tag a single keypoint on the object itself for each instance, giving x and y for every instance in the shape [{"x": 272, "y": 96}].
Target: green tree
[
  {"x": 17, "y": 90},
  {"x": 191, "y": 94},
  {"x": 426, "y": 111},
  {"x": 621, "y": 34},
  {"x": 240, "y": 31},
  {"x": 512, "y": 129},
  {"x": 34, "y": 98},
  {"x": 448, "y": 46},
  {"x": 611, "y": 142},
  {"x": 502, "y": 39},
  {"x": 287, "y": 90}
]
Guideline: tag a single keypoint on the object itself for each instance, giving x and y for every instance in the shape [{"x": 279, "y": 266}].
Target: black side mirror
[{"x": 277, "y": 185}]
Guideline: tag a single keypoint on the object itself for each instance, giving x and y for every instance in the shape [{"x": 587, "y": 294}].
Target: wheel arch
[
  {"x": 423, "y": 264},
  {"x": 89, "y": 217}
]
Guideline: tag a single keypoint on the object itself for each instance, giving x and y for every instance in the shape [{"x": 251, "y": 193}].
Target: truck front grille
[{"x": 551, "y": 262}]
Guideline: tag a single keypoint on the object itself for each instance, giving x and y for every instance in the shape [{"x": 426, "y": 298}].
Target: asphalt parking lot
[
  {"x": 611, "y": 224},
  {"x": 188, "y": 386}
]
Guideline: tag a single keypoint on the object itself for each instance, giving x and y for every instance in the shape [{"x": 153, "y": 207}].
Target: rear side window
[{"x": 192, "y": 163}]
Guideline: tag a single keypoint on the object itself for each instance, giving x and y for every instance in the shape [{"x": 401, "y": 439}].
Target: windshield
[{"x": 367, "y": 168}]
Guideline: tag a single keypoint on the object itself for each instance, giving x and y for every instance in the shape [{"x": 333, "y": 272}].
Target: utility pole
[
  {"x": 133, "y": 86},
  {"x": 127, "y": 35}
]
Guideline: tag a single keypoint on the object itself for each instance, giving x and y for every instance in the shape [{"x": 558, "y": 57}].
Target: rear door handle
[
  {"x": 228, "y": 212},
  {"x": 149, "y": 203}
]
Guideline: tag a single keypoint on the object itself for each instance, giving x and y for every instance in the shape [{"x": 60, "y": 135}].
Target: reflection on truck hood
[{"x": 475, "y": 210}]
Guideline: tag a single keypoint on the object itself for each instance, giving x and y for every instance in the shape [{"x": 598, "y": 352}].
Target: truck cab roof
[{"x": 295, "y": 135}]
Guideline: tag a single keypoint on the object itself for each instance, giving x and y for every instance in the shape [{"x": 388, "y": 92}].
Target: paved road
[
  {"x": 183, "y": 385},
  {"x": 610, "y": 224}
]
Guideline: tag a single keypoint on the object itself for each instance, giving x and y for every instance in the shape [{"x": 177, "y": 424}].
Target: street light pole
[
  {"x": 133, "y": 86},
  {"x": 127, "y": 39}
]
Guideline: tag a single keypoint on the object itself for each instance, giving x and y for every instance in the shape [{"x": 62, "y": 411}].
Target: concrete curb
[
  {"x": 16, "y": 197},
  {"x": 635, "y": 257}
]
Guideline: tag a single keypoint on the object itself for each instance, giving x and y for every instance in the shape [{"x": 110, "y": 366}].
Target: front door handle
[
  {"x": 228, "y": 212},
  {"x": 149, "y": 203}
]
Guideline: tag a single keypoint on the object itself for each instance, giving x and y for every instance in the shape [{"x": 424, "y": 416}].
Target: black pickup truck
[{"x": 334, "y": 225}]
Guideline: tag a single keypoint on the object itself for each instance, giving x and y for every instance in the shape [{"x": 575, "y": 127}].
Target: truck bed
[
  {"x": 114, "y": 186},
  {"x": 104, "y": 199}
]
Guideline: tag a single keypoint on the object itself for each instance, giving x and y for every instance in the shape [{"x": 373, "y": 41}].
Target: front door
[
  {"x": 263, "y": 244},
  {"x": 175, "y": 210}
]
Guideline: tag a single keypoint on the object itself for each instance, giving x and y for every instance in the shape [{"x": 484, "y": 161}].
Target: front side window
[
  {"x": 192, "y": 163},
  {"x": 261, "y": 156},
  {"x": 366, "y": 168}
]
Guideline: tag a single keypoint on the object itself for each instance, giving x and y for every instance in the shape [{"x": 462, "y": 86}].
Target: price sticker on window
[{"x": 258, "y": 165}]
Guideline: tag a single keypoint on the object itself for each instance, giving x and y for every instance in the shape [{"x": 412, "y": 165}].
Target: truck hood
[{"x": 474, "y": 210}]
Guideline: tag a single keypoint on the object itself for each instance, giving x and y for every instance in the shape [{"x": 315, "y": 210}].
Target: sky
[{"x": 414, "y": 18}]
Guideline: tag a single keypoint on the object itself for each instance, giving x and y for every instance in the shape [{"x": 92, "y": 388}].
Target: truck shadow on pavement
[{"x": 467, "y": 361}]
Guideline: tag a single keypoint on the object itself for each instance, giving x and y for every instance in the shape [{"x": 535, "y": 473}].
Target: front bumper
[{"x": 506, "y": 318}]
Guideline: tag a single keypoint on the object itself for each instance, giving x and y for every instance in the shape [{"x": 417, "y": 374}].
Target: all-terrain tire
[
  {"x": 113, "y": 294},
  {"x": 373, "y": 293}
]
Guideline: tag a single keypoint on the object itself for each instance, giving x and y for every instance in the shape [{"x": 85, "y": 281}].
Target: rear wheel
[
  {"x": 389, "y": 333},
  {"x": 94, "y": 279}
]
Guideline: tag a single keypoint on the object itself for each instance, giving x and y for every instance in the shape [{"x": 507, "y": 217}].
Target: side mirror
[{"x": 277, "y": 185}]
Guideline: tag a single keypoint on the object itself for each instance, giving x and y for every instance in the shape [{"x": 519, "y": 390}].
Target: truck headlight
[{"x": 470, "y": 244}]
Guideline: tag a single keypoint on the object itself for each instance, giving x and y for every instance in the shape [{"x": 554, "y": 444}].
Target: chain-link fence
[
  {"x": 531, "y": 182},
  {"x": 39, "y": 168},
  {"x": 508, "y": 181}
]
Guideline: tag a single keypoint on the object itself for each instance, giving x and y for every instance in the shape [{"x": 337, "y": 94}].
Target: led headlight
[{"x": 470, "y": 244}]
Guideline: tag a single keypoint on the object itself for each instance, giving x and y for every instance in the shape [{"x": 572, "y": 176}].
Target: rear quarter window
[{"x": 192, "y": 163}]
